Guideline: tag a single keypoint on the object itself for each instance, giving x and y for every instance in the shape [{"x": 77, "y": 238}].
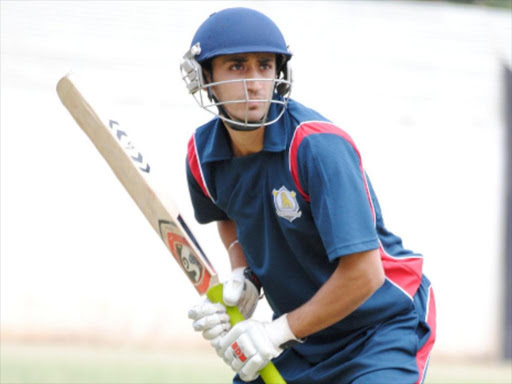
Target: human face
[{"x": 258, "y": 70}]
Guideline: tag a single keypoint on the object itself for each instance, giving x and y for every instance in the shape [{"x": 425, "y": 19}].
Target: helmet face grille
[
  {"x": 275, "y": 105},
  {"x": 276, "y": 101}
]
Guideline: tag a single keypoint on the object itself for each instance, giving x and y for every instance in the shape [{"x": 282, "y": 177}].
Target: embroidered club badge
[{"x": 286, "y": 204}]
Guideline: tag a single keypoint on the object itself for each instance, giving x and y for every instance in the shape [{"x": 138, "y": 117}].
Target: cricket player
[{"x": 300, "y": 220}]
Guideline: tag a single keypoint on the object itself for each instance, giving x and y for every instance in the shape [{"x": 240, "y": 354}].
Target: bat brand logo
[
  {"x": 238, "y": 352},
  {"x": 286, "y": 204},
  {"x": 185, "y": 256},
  {"x": 189, "y": 262},
  {"x": 125, "y": 142}
]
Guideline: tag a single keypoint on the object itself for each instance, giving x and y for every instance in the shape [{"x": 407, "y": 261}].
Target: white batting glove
[
  {"x": 243, "y": 290},
  {"x": 211, "y": 318},
  {"x": 251, "y": 344}
]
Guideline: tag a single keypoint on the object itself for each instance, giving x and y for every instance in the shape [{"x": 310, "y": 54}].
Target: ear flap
[
  {"x": 209, "y": 91},
  {"x": 284, "y": 87},
  {"x": 207, "y": 78}
]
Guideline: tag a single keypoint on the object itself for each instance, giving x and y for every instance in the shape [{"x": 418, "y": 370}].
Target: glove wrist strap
[
  {"x": 249, "y": 275},
  {"x": 281, "y": 335}
]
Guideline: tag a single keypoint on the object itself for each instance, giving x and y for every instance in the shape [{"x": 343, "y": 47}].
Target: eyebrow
[{"x": 243, "y": 59}]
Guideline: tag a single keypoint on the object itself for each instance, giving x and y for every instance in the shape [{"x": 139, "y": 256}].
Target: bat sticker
[
  {"x": 185, "y": 256},
  {"x": 189, "y": 262},
  {"x": 125, "y": 142}
]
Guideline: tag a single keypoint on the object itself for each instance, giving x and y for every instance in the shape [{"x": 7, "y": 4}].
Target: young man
[{"x": 299, "y": 218}]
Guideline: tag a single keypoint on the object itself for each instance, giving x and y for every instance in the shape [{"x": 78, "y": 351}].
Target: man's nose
[{"x": 254, "y": 85}]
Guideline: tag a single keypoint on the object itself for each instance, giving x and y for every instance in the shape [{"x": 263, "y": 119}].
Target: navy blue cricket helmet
[{"x": 239, "y": 30}]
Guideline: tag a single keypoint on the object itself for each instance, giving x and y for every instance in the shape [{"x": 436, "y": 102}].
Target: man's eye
[{"x": 236, "y": 67}]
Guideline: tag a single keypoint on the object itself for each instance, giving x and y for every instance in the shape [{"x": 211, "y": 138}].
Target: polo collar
[{"x": 218, "y": 147}]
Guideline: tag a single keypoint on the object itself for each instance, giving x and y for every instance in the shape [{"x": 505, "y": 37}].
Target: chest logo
[{"x": 286, "y": 204}]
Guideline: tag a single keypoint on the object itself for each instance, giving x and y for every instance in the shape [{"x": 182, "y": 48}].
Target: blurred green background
[{"x": 66, "y": 364}]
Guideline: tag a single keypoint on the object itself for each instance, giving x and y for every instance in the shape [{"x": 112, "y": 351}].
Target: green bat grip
[{"x": 269, "y": 373}]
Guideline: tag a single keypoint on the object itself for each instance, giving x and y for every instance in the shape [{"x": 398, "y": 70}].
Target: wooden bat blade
[{"x": 134, "y": 173}]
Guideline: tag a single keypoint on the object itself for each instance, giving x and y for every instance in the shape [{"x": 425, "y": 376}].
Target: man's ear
[{"x": 207, "y": 76}]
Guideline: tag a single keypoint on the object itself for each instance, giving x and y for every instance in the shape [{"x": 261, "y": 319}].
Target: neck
[{"x": 244, "y": 143}]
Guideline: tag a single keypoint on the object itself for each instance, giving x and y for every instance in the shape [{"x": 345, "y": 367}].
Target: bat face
[
  {"x": 134, "y": 172},
  {"x": 188, "y": 260}
]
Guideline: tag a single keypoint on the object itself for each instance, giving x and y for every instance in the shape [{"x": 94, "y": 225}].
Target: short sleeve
[
  {"x": 331, "y": 173},
  {"x": 205, "y": 210}
]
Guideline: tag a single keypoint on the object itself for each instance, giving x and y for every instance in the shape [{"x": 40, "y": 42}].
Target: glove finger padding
[
  {"x": 210, "y": 318},
  {"x": 234, "y": 287},
  {"x": 216, "y": 331},
  {"x": 251, "y": 344},
  {"x": 249, "y": 300},
  {"x": 255, "y": 338},
  {"x": 210, "y": 321},
  {"x": 204, "y": 309},
  {"x": 236, "y": 355},
  {"x": 216, "y": 343},
  {"x": 247, "y": 349},
  {"x": 250, "y": 371},
  {"x": 240, "y": 291}
]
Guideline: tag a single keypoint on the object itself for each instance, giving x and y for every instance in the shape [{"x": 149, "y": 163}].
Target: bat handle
[{"x": 269, "y": 373}]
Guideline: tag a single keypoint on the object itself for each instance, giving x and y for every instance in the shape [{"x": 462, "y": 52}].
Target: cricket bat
[{"x": 134, "y": 172}]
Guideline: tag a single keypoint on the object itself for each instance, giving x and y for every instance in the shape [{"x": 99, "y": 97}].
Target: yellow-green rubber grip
[{"x": 269, "y": 373}]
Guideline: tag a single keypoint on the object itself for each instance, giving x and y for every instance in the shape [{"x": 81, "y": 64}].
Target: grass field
[
  {"x": 43, "y": 363},
  {"x": 64, "y": 364}
]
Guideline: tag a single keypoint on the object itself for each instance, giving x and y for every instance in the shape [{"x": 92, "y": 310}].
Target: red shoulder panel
[
  {"x": 316, "y": 127},
  {"x": 195, "y": 167}
]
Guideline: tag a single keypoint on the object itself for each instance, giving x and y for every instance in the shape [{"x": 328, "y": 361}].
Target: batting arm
[
  {"x": 355, "y": 279},
  {"x": 227, "y": 232}
]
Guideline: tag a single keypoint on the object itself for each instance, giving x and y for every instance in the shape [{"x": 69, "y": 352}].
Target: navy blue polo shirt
[{"x": 299, "y": 205}]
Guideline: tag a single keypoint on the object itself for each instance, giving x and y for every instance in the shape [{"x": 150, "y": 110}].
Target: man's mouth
[{"x": 253, "y": 105}]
